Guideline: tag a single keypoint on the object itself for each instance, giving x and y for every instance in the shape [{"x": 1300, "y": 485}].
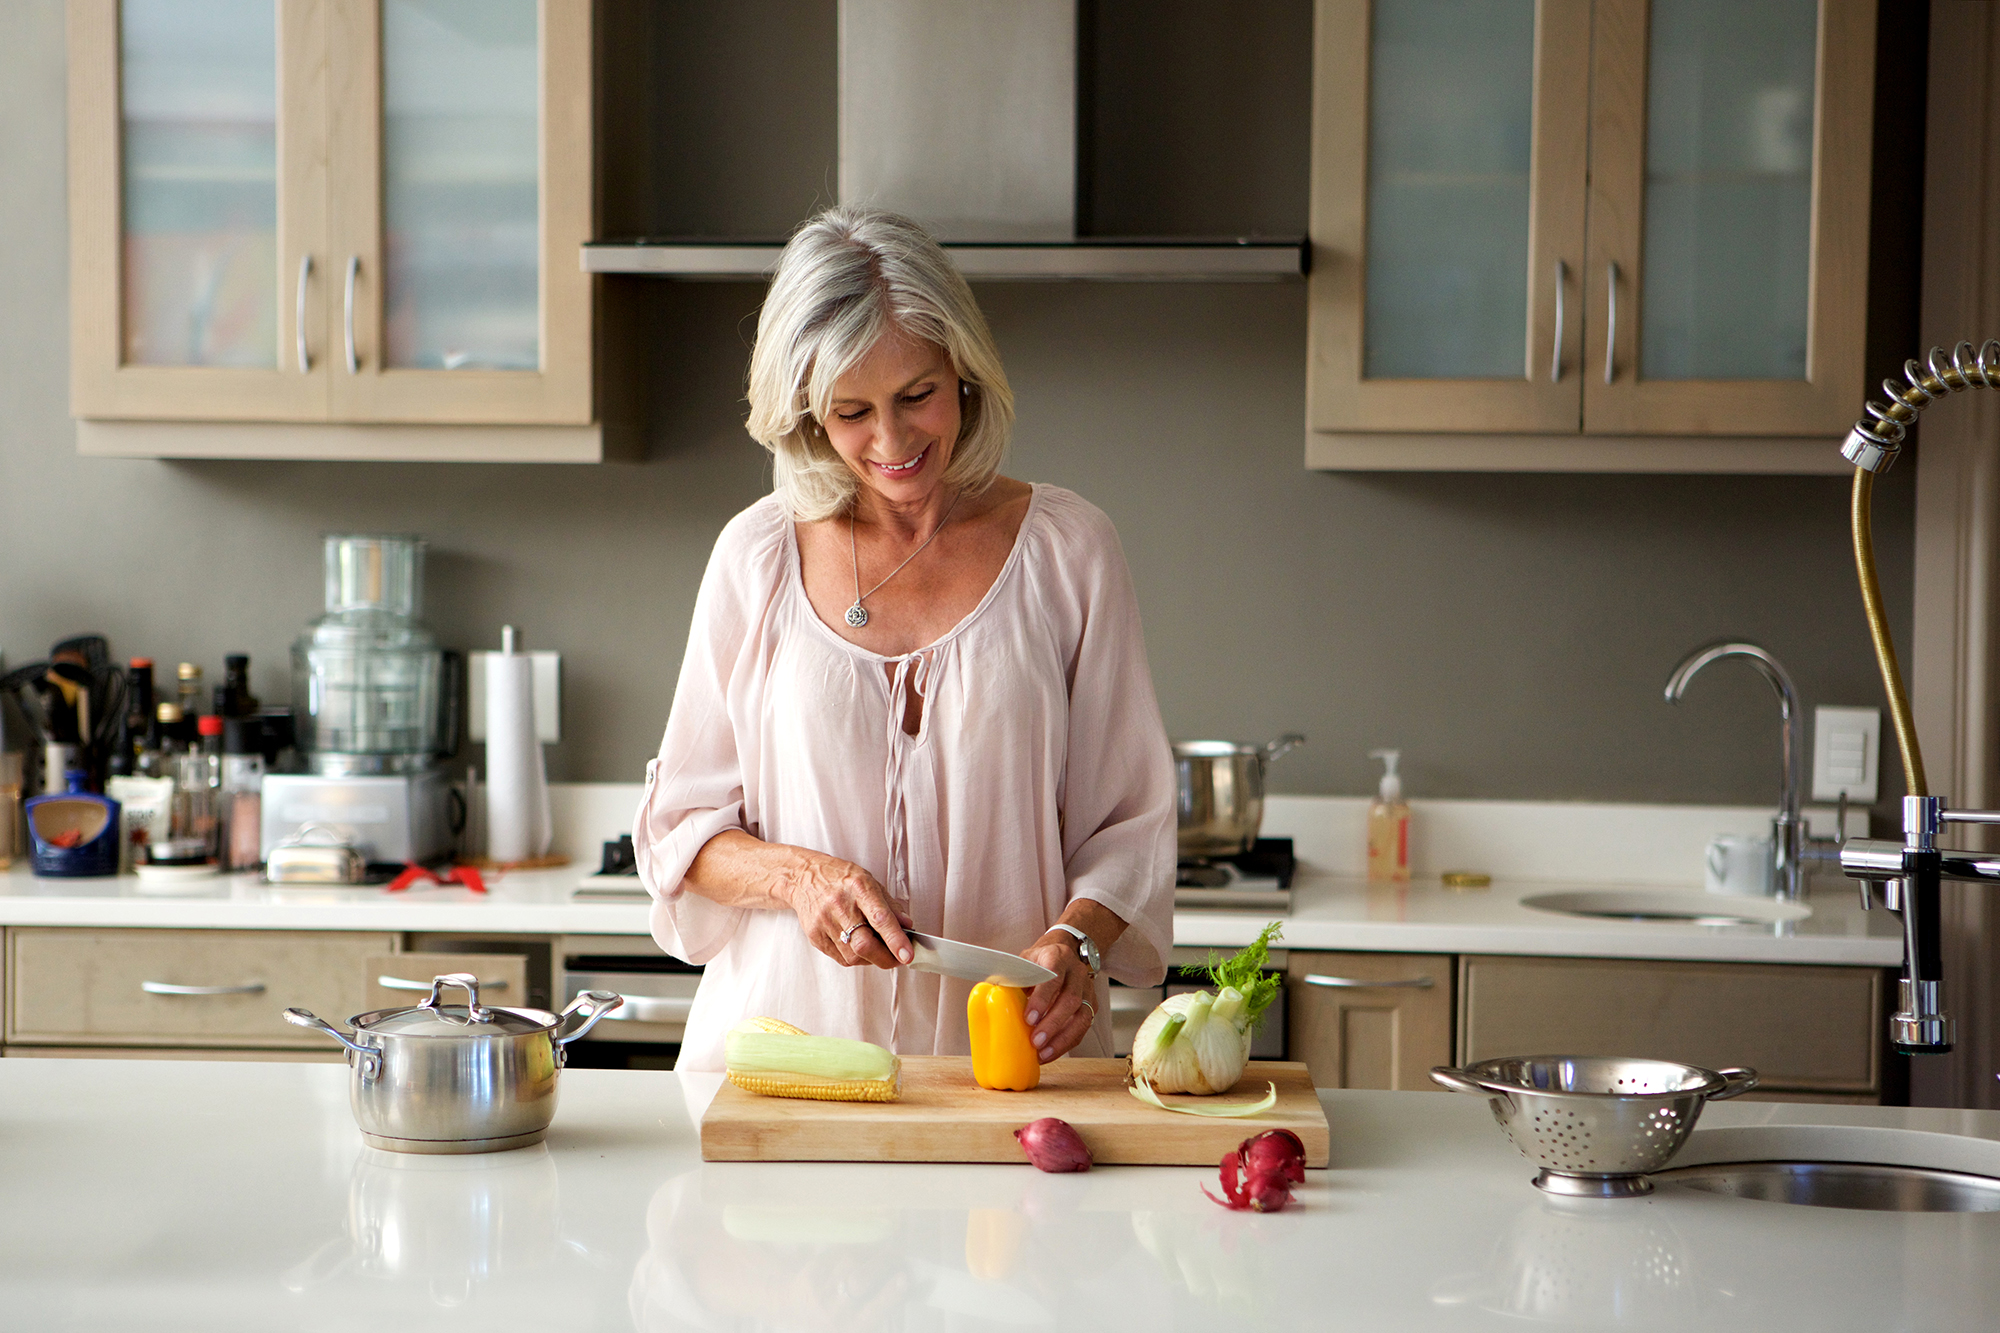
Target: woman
[{"x": 915, "y": 691}]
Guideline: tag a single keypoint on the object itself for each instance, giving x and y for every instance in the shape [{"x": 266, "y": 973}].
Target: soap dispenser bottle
[{"x": 1389, "y": 825}]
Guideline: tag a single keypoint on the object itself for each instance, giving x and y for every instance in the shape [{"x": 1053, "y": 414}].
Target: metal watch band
[{"x": 1085, "y": 946}]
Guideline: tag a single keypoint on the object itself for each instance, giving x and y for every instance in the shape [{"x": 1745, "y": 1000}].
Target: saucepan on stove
[
  {"x": 1222, "y": 792},
  {"x": 447, "y": 1078}
]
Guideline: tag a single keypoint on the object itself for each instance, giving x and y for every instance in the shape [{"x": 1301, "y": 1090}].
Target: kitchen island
[{"x": 222, "y": 1197}]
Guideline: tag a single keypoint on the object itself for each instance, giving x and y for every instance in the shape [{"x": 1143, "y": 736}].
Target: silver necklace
[{"x": 857, "y": 615}]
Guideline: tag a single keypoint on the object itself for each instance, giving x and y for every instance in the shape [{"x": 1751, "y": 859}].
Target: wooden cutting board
[{"x": 945, "y": 1117}]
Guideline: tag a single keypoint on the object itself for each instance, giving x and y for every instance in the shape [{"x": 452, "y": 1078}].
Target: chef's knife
[{"x": 969, "y": 962}]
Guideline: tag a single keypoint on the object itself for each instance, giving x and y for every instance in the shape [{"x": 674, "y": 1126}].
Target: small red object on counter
[
  {"x": 1258, "y": 1177},
  {"x": 413, "y": 874}
]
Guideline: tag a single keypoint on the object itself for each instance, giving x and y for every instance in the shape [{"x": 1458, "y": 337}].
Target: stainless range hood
[{"x": 964, "y": 114}]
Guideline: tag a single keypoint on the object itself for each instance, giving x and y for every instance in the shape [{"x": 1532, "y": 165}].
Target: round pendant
[{"x": 857, "y": 615}]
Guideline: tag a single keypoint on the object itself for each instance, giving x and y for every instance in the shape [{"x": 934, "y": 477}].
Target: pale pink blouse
[{"x": 1040, "y": 773}]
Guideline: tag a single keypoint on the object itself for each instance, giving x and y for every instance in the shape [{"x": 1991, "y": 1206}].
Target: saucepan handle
[
  {"x": 1735, "y": 1082},
  {"x": 1285, "y": 744},
  {"x": 593, "y": 1004}
]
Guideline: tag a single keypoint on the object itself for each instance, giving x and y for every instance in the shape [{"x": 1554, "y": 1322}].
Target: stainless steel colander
[{"x": 1595, "y": 1124}]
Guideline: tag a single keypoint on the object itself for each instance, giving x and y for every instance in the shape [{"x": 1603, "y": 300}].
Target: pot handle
[
  {"x": 1735, "y": 1082},
  {"x": 1284, "y": 745},
  {"x": 305, "y": 1018},
  {"x": 593, "y": 1004}
]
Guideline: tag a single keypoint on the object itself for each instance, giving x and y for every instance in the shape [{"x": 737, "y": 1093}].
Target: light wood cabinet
[
  {"x": 1369, "y": 1020},
  {"x": 1803, "y": 1029},
  {"x": 397, "y": 981},
  {"x": 1591, "y": 235},
  {"x": 183, "y": 988},
  {"x": 341, "y": 214}
]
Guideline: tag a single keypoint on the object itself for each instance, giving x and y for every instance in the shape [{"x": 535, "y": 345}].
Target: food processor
[{"x": 376, "y": 706}]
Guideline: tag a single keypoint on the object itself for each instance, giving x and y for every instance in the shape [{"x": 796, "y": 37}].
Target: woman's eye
[
  {"x": 917, "y": 397},
  {"x": 852, "y": 416}
]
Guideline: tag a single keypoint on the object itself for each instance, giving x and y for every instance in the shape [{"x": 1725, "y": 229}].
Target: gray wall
[{"x": 1511, "y": 633}]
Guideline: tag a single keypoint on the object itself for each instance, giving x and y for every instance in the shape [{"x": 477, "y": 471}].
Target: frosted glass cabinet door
[
  {"x": 195, "y": 223},
  {"x": 462, "y": 153},
  {"x": 1448, "y": 219},
  {"x": 1732, "y": 289}
]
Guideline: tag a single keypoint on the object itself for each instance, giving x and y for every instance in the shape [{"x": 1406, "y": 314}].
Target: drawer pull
[
  {"x": 1358, "y": 983},
  {"x": 653, "y": 1009},
  {"x": 403, "y": 983},
  {"x": 172, "y": 988}
]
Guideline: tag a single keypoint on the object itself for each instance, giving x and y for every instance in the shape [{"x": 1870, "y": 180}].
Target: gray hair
[{"x": 847, "y": 278}]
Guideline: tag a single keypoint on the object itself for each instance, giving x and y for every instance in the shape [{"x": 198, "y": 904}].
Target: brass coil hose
[{"x": 1872, "y": 446}]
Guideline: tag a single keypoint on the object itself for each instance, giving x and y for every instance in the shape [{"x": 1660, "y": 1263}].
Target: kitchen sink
[
  {"x": 1877, "y": 1188},
  {"x": 1701, "y": 909}
]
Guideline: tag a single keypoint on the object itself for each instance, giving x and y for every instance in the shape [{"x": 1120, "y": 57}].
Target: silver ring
[
  {"x": 1093, "y": 1010},
  {"x": 850, "y": 930}
]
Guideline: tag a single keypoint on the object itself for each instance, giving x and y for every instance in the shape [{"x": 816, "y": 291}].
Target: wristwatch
[{"x": 1085, "y": 946}]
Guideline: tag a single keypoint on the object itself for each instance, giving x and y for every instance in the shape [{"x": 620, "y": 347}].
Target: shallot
[
  {"x": 1053, "y": 1146},
  {"x": 1258, "y": 1176}
]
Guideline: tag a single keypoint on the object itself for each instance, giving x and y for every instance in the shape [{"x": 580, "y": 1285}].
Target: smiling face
[{"x": 894, "y": 418}]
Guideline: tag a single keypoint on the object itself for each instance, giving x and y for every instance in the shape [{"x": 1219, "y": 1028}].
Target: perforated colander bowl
[{"x": 1595, "y": 1124}]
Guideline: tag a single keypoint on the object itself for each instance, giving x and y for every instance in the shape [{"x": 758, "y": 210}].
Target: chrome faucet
[{"x": 1791, "y": 849}]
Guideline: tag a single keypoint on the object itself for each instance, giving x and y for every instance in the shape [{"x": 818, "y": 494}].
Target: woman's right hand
[{"x": 828, "y": 895}]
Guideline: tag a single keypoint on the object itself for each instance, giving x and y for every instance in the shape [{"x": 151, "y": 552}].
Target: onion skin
[
  {"x": 1052, "y": 1145},
  {"x": 1258, "y": 1176}
]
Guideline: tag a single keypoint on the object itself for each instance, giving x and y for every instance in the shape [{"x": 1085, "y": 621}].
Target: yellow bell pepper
[{"x": 1003, "y": 1049}]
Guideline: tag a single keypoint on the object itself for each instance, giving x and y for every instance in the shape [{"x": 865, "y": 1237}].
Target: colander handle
[
  {"x": 1735, "y": 1082},
  {"x": 1447, "y": 1077}
]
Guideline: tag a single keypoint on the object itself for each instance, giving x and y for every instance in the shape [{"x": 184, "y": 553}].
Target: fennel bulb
[{"x": 1199, "y": 1041}]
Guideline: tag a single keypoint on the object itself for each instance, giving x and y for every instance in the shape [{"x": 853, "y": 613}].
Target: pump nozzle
[{"x": 1391, "y": 788}]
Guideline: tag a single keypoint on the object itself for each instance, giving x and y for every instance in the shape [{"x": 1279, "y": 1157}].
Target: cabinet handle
[
  {"x": 1556, "y": 356},
  {"x": 401, "y": 983},
  {"x": 1611, "y": 324},
  {"x": 1358, "y": 983},
  {"x": 653, "y": 1009},
  {"x": 299, "y": 314},
  {"x": 172, "y": 988},
  {"x": 353, "y": 267}
]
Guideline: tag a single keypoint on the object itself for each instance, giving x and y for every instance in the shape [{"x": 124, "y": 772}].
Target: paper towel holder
[{"x": 547, "y": 671}]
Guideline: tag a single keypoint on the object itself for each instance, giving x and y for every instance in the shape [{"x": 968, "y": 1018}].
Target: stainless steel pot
[
  {"x": 1222, "y": 792},
  {"x": 441, "y": 1078}
]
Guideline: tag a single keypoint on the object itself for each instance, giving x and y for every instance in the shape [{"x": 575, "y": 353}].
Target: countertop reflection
[{"x": 144, "y": 1194}]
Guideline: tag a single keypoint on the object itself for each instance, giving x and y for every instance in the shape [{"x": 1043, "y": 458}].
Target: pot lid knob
[{"x": 465, "y": 981}]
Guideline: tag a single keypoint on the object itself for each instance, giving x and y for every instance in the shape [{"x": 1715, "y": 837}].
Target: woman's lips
[{"x": 905, "y": 469}]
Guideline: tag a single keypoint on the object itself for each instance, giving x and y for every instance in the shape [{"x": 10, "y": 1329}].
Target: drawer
[
  {"x": 656, "y": 1004},
  {"x": 397, "y": 981},
  {"x": 1806, "y": 1029},
  {"x": 1370, "y": 1020},
  {"x": 117, "y": 987}
]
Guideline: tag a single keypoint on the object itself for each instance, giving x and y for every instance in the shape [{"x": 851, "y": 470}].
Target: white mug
[{"x": 1739, "y": 864}]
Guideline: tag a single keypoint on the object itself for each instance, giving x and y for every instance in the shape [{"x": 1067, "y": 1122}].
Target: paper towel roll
[{"x": 517, "y": 786}]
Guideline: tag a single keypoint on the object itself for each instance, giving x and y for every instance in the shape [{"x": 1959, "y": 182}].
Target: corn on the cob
[{"x": 775, "y": 1059}]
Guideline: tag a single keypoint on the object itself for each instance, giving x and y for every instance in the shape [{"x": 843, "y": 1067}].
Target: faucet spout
[{"x": 1788, "y": 832}]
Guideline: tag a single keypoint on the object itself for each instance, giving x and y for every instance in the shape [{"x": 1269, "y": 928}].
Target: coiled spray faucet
[{"x": 1910, "y": 871}]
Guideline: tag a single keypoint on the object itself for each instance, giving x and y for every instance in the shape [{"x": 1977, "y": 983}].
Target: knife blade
[{"x": 970, "y": 962}]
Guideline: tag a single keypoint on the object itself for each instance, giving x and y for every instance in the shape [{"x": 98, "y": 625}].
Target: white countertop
[
  {"x": 239, "y": 1197},
  {"x": 1328, "y": 913}
]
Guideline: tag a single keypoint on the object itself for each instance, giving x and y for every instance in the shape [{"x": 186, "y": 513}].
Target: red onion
[
  {"x": 1259, "y": 1175},
  {"x": 1276, "y": 1152},
  {"x": 1053, "y": 1146}
]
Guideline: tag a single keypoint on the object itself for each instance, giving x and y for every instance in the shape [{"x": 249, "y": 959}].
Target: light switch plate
[
  {"x": 547, "y": 671},
  {"x": 1847, "y": 749}
]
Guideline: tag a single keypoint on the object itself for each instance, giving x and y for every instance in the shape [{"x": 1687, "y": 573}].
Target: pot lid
[
  {"x": 434, "y": 1018},
  {"x": 453, "y": 1020}
]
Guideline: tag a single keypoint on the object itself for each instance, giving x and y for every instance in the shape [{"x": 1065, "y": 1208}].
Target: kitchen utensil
[
  {"x": 315, "y": 854},
  {"x": 1222, "y": 792},
  {"x": 441, "y": 1078},
  {"x": 1595, "y": 1124},
  {"x": 970, "y": 962},
  {"x": 943, "y": 1116}
]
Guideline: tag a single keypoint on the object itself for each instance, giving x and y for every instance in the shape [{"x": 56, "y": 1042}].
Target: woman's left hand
[{"x": 1060, "y": 1011}]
